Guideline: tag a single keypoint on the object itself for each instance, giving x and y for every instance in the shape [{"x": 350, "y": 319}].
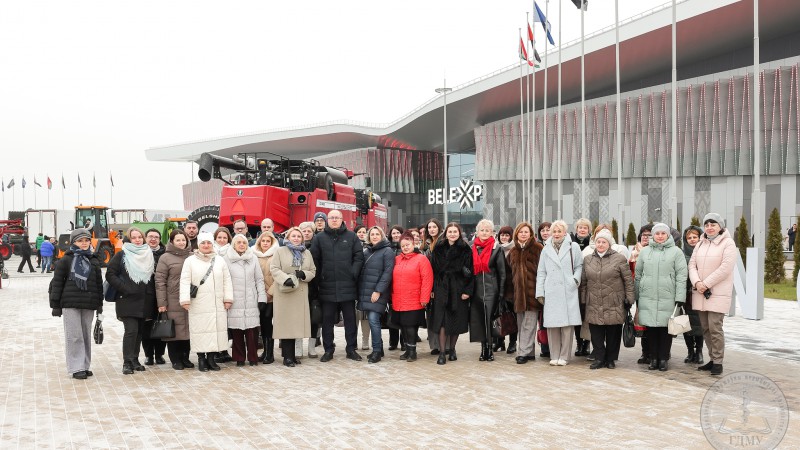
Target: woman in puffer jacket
[
  {"x": 374, "y": 286},
  {"x": 248, "y": 291},
  {"x": 711, "y": 269},
  {"x": 693, "y": 338},
  {"x": 412, "y": 282}
]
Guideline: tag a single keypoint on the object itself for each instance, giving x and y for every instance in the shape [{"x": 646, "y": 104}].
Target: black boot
[
  {"x": 545, "y": 351},
  {"x": 653, "y": 364},
  {"x": 137, "y": 365},
  {"x": 412, "y": 353},
  {"x": 221, "y": 357},
  {"x": 489, "y": 354},
  {"x": 500, "y": 344},
  {"x": 212, "y": 358},
  {"x": 706, "y": 366},
  {"x": 691, "y": 357},
  {"x": 716, "y": 369},
  {"x": 374, "y": 357},
  {"x": 269, "y": 352},
  {"x": 186, "y": 363},
  {"x": 127, "y": 368},
  {"x": 483, "y": 352},
  {"x": 579, "y": 347},
  {"x": 202, "y": 362},
  {"x": 512, "y": 347},
  {"x": 405, "y": 354},
  {"x": 698, "y": 357},
  {"x": 585, "y": 349}
]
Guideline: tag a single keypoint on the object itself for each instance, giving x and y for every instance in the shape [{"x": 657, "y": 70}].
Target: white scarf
[
  {"x": 139, "y": 262},
  {"x": 221, "y": 251}
]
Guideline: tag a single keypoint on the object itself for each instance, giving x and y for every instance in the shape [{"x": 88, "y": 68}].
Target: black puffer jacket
[
  {"x": 338, "y": 256},
  {"x": 133, "y": 299},
  {"x": 64, "y": 293},
  {"x": 376, "y": 276}
]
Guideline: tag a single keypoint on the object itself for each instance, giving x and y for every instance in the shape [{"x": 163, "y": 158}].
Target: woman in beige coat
[
  {"x": 607, "y": 291},
  {"x": 711, "y": 269},
  {"x": 292, "y": 268},
  {"x": 264, "y": 248},
  {"x": 168, "y": 290},
  {"x": 208, "y": 317}
]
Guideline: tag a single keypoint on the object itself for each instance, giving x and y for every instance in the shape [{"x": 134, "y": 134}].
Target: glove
[
  {"x": 262, "y": 307},
  {"x": 56, "y": 312},
  {"x": 100, "y": 309},
  {"x": 288, "y": 282},
  {"x": 300, "y": 274}
]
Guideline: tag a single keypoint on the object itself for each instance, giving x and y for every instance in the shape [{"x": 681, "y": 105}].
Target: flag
[
  {"x": 523, "y": 55},
  {"x": 23, "y": 182},
  {"x": 11, "y": 184},
  {"x": 94, "y": 180},
  {"x": 36, "y": 182},
  {"x": 80, "y": 185},
  {"x": 577, "y": 4},
  {"x": 63, "y": 185},
  {"x": 3, "y": 184},
  {"x": 533, "y": 45},
  {"x": 49, "y": 183},
  {"x": 111, "y": 177},
  {"x": 539, "y": 17}
]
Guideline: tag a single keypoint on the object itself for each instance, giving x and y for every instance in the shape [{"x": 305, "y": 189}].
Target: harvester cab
[{"x": 105, "y": 242}]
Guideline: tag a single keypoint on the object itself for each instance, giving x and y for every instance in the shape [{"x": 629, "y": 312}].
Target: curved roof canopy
[{"x": 705, "y": 29}]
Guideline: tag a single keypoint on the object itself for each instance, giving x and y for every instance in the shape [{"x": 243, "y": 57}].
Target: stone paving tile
[{"x": 345, "y": 404}]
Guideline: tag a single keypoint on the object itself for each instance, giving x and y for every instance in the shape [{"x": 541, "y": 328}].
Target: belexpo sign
[{"x": 466, "y": 193}]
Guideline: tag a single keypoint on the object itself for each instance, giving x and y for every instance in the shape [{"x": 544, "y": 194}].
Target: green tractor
[{"x": 165, "y": 228}]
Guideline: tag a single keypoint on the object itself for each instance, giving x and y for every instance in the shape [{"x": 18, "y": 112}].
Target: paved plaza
[{"x": 347, "y": 404}]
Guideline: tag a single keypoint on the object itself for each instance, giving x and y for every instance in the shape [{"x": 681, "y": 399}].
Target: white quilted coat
[{"x": 208, "y": 320}]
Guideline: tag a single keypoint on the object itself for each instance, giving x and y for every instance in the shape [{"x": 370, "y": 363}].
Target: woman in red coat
[{"x": 412, "y": 282}]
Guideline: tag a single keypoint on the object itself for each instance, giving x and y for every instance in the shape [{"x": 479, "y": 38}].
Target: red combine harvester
[
  {"x": 7, "y": 228},
  {"x": 288, "y": 191}
]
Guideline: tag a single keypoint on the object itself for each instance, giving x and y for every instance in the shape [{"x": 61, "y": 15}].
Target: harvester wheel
[
  {"x": 6, "y": 251},
  {"x": 207, "y": 218},
  {"x": 104, "y": 254}
]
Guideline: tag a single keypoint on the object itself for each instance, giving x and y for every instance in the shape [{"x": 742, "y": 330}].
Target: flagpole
[
  {"x": 79, "y": 190},
  {"x": 533, "y": 136},
  {"x": 526, "y": 158},
  {"x": 559, "y": 123},
  {"x": 545, "y": 151},
  {"x": 584, "y": 191},
  {"x": 23, "y": 194},
  {"x": 619, "y": 126},
  {"x": 35, "y": 194},
  {"x": 62, "y": 191},
  {"x": 522, "y": 128},
  {"x": 758, "y": 214},
  {"x": 94, "y": 189},
  {"x": 674, "y": 156}
]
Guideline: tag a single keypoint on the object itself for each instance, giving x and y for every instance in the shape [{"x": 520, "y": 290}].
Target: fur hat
[
  {"x": 661, "y": 227},
  {"x": 320, "y": 215},
  {"x": 78, "y": 233},
  {"x": 714, "y": 217},
  {"x": 604, "y": 234},
  {"x": 205, "y": 236}
]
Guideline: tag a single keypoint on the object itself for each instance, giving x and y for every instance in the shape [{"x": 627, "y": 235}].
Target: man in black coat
[
  {"x": 25, "y": 251},
  {"x": 153, "y": 348},
  {"x": 338, "y": 255}
]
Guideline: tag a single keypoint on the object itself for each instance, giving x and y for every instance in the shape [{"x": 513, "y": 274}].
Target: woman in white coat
[
  {"x": 208, "y": 318},
  {"x": 244, "y": 317},
  {"x": 292, "y": 267},
  {"x": 557, "y": 281}
]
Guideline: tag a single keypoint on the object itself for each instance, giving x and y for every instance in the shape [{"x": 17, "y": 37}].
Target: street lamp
[{"x": 445, "y": 194}]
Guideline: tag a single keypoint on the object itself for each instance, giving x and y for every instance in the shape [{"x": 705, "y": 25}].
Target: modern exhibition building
[{"x": 715, "y": 148}]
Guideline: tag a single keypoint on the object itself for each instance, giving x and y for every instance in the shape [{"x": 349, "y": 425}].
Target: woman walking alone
[{"x": 76, "y": 292}]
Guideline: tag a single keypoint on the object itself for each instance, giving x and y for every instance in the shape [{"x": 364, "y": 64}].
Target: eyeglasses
[{"x": 334, "y": 218}]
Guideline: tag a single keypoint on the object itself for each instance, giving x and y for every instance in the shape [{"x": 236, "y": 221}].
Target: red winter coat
[{"x": 412, "y": 282}]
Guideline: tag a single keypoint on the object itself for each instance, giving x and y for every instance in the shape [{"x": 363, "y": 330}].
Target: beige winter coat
[
  {"x": 290, "y": 309},
  {"x": 168, "y": 289},
  {"x": 712, "y": 263},
  {"x": 264, "y": 260},
  {"x": 208, "y": 320}
]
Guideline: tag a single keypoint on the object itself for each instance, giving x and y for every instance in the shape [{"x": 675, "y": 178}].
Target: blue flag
[{"x": 539, "y": 17}]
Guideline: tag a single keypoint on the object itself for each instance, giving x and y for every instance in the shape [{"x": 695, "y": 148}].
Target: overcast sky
[{"x": 87, "y": 86}]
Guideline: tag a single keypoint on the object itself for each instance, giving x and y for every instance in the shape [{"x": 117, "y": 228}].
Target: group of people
[
  {"x": 222, "y": 286},
  {"x": 45, "y": 250}
]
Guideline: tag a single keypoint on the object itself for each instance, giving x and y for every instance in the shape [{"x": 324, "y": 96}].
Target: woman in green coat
[{"x": 660, "y": 283}]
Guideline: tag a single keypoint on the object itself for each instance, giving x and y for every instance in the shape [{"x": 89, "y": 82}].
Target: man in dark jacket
[
  {"x": 338, "y": 256},
  {"x": 25, "y": 251},
  {"x": 191, "y": 229},
  {"x": 153, "y": 348}
]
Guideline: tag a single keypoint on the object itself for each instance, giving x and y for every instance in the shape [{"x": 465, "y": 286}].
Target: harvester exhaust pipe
[{"x": 210, "y": 165}]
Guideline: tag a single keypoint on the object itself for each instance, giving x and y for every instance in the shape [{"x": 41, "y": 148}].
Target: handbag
[
  {"x": 678, "y": 324},
  {"x": 109, "y": 292},
  {"x": 98, "y": 330},
  {"x": 390, "y": 313},
  {"x": 541, "y": 333},
  {"x": 194, "y": 288},
  {"x": 163, "y": 327},
  {"x": 505, "y": 323},
  {"x": 315, "y": 313},
  {"x": 628, "y": 334}
]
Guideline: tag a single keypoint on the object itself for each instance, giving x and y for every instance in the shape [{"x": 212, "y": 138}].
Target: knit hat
[
  {"x": 205, "y": 236},
  {"x": 320, "y": 215},
  {"x": 78, "y": 233},
  {"x": 604, "y": 234},
  {"x": 660, "y": 227},
  {"x": 714, "y": 217}
]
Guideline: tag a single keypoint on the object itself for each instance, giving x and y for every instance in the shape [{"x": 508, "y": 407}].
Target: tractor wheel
[
  {"x": 207, "y": 218},
  {"x": 6, "y": 251},
  {"x": 104, "y": 254}
]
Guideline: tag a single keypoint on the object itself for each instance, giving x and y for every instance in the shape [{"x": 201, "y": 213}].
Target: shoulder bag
[
  {"x": 505, "y": 323},
  {"x": 192, "y": 288},
  {"x": 678, "y": 324}
]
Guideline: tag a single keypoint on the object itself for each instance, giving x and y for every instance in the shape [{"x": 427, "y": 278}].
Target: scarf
[
  {"x": 602, "y": 254},
  {"x": 81, "y": 267},
  {"x": 507, "y": 247},
  {"x": 221, "y": 250},
  {"x": 205, "y": 257},
  {"x": 182, "y": 252},
  {"x": 139, "y": 262},
  {"x": 297, "y": 253},
  {"x": 480, "y": 261},
  {"x": 557, "y": 243}
]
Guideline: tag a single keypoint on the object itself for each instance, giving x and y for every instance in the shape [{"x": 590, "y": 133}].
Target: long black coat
[
  {"x": 133, "y": 299},
  {"x": 376, "y": 276},
  {"x": 64, "y": 293},
  {"x": 338, "y": 256},
  {"x": 452, "y": 277},
  {"x": 488, "y": 291}
]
